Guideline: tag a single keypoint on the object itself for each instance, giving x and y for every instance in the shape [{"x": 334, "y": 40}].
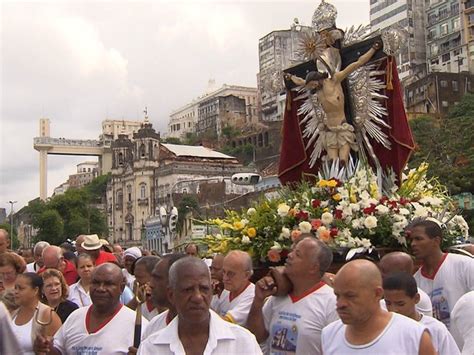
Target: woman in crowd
[
  {"x": 129, "y": 257},
  {"x": 79, "y": 292},
  {"x": 55, "y": 292},
  {"x": 11, "y": 265},
  {"x": 28, "y": 288}
]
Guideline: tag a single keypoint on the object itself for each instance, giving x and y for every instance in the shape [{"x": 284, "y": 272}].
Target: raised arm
[
  {"x": 255, "y": 322},
  {"x": 295, "y": 79},
  {"x": 363, "y": 59}
]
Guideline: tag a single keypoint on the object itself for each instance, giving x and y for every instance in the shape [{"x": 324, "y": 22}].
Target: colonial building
[
  {"x": 86, "y": 172},
  {"x": 130, "y": 191},
  {"x": 185, "y": 119}
]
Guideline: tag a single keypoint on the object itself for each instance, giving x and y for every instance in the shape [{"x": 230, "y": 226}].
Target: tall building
[
  {"x": 185, "y": 119},
  {"x": 468, "y": 30},
  {"x": 446, "y": 46},
  {"x": 408, "y": 14},
  {"x": 276, "y": 52}
]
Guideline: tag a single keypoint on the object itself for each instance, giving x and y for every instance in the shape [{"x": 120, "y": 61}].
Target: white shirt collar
[{"x": 218, "y": 330}]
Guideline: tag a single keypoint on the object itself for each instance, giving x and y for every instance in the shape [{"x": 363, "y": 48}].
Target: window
[
  {"x": 143, "y": 191},
  {"x": 444, "y": 103},
  {"x": 454, "y": 83},
  {"x": 456, "y": 23},
  {"x": 444, "y": 84},
  {"x": 142, "y": 151},
  {"x": 446, "y": 57},
  {"x": 129, "y": 192},
  {"x": 444, "y": 29}
]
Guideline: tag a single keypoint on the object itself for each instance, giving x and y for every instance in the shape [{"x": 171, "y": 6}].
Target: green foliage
[
  {"x": 447, "y": 146},
  {"x": 243, "y": 152},
  {"x": 72, "y": 213},
  {"x": 191, "y": 139},
  {"x": 172, "y": 140},
  {"x": 187, "y": 204},
  {"x": 230, "y": 132}
]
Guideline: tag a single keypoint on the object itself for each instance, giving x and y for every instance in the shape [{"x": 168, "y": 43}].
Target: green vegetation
[
  {"x": 14, "y": 243},
  {"x": 66, "y": 216}
]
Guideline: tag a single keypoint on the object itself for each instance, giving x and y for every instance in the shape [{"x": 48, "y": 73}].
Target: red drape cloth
[{"x": 294, "y": 159}]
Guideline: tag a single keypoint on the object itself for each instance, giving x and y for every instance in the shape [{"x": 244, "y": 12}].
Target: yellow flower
[
  {"x": 323, "y": 183},
  {"x": 374, "y": 190},
  {"x": 251, "y": 232},
  {"x": 326, "y": 209},
  {"x": 331, "y": 183},
  {"x": 337, "y": 197},
  {"x": 226, "y": 225},
  {"x": 238, "y": 225},
  {"x": 352, "y": 195}
]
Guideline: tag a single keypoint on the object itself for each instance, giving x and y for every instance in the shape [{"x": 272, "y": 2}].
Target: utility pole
[{"x": 11, "y": 218}]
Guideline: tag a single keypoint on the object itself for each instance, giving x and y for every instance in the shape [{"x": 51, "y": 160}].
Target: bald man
[
  {"x": 402, "y": 262},
  {"x": 105, "y": 327},
  {"x": 234, "y": 303},
  {"x": 196, "y": 329},
  {"x": 53, "y": 259},
  {"x": 364, "y": 327}
]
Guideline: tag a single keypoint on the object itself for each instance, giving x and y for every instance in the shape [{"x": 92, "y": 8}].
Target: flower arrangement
[{"x": 352, "y": 214}]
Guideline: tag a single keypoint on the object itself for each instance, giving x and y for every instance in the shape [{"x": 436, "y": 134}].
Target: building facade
[
  {"x": 409, "y": 15},
  {"x": 185, "y": 119},
  {"x": 446, "y": 46},
  {"x": 437, "y": 93},
  {"x": 276, "y": 52},
  {"x": 86, "y": 172}
]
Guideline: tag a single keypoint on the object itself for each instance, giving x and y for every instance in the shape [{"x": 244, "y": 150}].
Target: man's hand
[
  {"x": 265, "y": 287},
  {"x": 43, "y": 344},
  {"x": 283, "y": 284},
  {"x": 132, "y": 350}
]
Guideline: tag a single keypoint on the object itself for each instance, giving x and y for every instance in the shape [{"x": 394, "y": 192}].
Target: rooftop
[{"x": 195, "y": 151}]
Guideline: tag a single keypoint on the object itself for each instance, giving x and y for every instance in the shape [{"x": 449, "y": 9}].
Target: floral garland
[{"x": 352, "y": 214}]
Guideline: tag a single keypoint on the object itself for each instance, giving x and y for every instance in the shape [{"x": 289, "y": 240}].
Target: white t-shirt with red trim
[
  {"x": 235, "y": 310},
  {"x": 157, "y": 323},
  {"x": 149, "y": 311},
  {"x": 295, "y": 324},
  {"x": 114, "y": 337},
  {"x": 453, "y": 278}
]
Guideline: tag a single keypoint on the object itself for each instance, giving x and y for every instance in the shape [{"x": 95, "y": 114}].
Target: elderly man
[
  {"x": 38, "y": 256},
  {"x": 53, "y": 259},
  {"x": 196, "y": 329},
  {"x": 234, "y": 303},
  {"x": 402, "y": 262},
  {"x": 444, "y": 277},
  {"x": 93, "y": 246},
  {"x": 364, "y": 327},
  {"x": 293, "y": 323},
  {"x": 105, "y": 327},
  {"x": 159, "y": 294},
  {"x": 4, "y": 241}
]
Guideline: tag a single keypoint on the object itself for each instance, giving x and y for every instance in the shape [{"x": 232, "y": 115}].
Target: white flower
[
  {"x": 283, "y": 209},
  {"x": 381, "y": 209},
  {"x": 285, "y": 233},
  {"x": 251, "y": 211},
  {"x": 365, "y": 243},
  {"x": 370, "y": 222},
  {"x": 327, "y": 218},
  {"x": 244, "y": 222},
  {"x": 305, "y": 227},
  {"x": 420, "y": 211},
  {"x": 218, "y": 236},
  {"x": 245, "y": 240},
  {"x": 404, "y": 212},
  {"x": 355, "y": 207},
  {"x": 324, "y": 204},
  {"x": 346, "y": 212},
  {"x": 276, "y": 246},
  {"x": 357, "y": 223}
]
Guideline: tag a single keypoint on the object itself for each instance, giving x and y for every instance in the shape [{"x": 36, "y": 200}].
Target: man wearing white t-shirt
[
  {"x": 462, "y": 326},
  {"x": 444, "y": 277},
  {"x": 401, "y": 296},
  {"x": 233, "y": 305},
  {"x": 105, "y": 327},
  {"x": 364, "y": 327},
  {"x": 398, "y": 261},
  {"x": 293, "y": 323},
  {"x": 196, "y": 329}
]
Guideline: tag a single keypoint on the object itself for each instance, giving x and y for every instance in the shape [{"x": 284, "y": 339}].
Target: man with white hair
[
  {"x": 196, "y": 329},
  {"x": 234, "y": 303},
  {"x": 38, "y": 256}
]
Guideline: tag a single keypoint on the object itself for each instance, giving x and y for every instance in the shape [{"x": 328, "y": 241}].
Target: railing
[
  {"x": 67, "y": 142},
  {"x": 143, "y": 201}
]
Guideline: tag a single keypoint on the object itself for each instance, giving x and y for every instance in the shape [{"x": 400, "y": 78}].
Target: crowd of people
[{"x": 90, "y": 297}]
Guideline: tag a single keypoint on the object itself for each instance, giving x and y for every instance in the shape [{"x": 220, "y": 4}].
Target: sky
[{"x": 81, "y": 62}]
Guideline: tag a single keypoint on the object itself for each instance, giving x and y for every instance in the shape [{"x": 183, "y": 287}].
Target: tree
[
  {"x": 51, "y": 227},
  {"x": 188, "y": 203},
  {"x": 14, "y": 242}
]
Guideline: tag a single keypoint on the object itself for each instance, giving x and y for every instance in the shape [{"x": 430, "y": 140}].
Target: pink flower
[
  {"x": 295, "y": 234},
  {"x": 274, "y": 255},
  {"x": 316, "y": 223}
]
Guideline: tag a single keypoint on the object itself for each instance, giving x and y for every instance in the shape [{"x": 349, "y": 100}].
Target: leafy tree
[
  {"x": 172, "y": 140},
  {"x": 188, "y": 203},
  {"x": 51, "y": 227}
]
